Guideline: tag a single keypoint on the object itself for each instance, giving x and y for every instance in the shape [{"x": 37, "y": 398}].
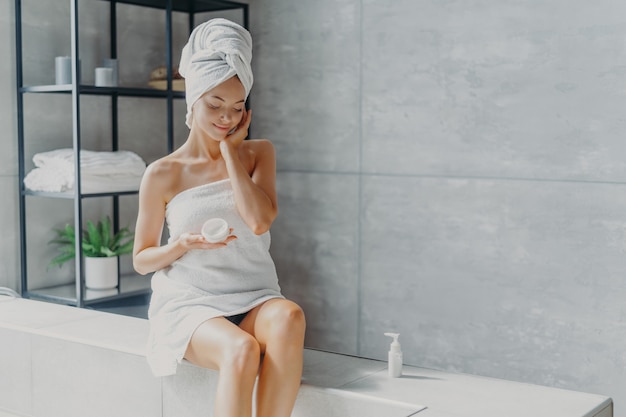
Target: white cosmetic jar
[{"x": 215, "y": 230}]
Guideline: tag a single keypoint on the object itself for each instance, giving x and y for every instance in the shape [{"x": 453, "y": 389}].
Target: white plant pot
[{"x": 101, "y": 273}]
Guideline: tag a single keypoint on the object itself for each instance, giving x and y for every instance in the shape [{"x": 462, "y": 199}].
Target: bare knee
[
  {"x": 288, "y": 321},
  {"x": 242, "y": 356}
]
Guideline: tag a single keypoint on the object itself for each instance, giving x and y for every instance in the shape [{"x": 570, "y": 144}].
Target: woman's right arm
[{"x": 148, "y": 254}]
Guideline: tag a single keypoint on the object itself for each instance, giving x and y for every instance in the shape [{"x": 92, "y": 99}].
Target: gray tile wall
[
  {"x": 452, "y": 171},
  {"x": 314, "y": 243}
]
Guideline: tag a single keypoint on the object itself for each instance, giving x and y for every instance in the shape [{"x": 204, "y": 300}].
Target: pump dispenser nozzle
[
  {"x": 395, "y": 356},
  {"x": 395, "y": 338}
]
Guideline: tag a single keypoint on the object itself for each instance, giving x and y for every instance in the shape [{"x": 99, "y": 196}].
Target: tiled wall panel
[
  {"x": 314, "y": 244},
  {"x": 497, "y": 278},
  {"x": 530, "y": 89},
  {"x": 9, "y": 244},
  {"x": 306, "y": 93},
  {"x": 489, "y": 169}
]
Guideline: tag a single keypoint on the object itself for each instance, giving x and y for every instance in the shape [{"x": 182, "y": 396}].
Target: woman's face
[{"x": 220, "y": 109}]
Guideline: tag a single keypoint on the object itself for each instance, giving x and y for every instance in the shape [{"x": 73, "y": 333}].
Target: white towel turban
[{"x": 216, "y": 51}]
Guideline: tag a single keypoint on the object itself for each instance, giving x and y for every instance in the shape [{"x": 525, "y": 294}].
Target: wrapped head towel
[{"x": 216, "y": 51}]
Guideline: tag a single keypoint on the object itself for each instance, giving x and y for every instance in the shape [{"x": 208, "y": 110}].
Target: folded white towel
[
  {"x": 216, "y": 51},
  {"x": 92, "y": 162},
  {"x": 109, "y": 183},
  {"x": 100, "y": 171},
  {"x": 50, "y": 180},
  {"x": 56, "y": 181}
]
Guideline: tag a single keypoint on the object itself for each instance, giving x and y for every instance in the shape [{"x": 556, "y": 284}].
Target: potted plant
[{"x": 101, "y": 249}]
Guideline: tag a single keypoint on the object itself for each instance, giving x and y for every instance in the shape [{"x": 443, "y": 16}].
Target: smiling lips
[{"x": 226, "y": 128}]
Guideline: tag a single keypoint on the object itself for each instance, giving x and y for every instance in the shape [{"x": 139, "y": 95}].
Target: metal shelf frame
[{"x": 78, "y": 296}]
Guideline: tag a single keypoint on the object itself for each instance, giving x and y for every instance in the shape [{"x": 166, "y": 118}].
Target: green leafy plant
[{"x": 98, "y": 241}]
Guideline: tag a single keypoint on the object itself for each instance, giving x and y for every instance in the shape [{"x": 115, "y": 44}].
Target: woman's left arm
[{"x": 255, "y": 192}]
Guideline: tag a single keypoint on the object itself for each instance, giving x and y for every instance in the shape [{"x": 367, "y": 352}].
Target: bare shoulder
[
  {"x": 163, "y": 167},
  {"x": 258, "y": 147},
  {"x": 258, "y": 155},
  {"x": 259, "y": 143},
  {"x": 160, "y": 176}
]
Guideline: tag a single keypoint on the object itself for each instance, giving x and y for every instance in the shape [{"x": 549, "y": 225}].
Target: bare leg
[
  {"x": 219, "y": 344},
  {"x": 279, "y": 327}
]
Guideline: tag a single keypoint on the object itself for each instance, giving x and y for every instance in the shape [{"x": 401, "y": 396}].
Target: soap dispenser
[{"x": 395, "y": 356}]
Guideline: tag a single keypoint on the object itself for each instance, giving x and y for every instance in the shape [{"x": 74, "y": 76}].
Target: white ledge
[{"x": 334, "y": 384}]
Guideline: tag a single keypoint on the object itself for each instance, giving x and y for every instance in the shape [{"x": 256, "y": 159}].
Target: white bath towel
[
  {"x": 92, "y": 162},
  {"x": 203, "y": 284},
  {"x": 49, "y": 180},
  {"x": 216, "y": 51},
  {"x": 100, "y": 171}
]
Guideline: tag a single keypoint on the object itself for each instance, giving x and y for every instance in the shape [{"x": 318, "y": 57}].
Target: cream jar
[{"x": 215, "y": 230}]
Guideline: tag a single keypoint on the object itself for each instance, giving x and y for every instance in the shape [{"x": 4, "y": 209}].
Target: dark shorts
[{"x": 237, "y": 318}]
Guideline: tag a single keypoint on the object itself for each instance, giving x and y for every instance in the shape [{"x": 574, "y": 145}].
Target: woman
[{"x": 218, "y": 305}]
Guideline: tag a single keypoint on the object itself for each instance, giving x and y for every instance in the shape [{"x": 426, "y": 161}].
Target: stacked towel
[
  {"x": 216, "y": 51},
  {"x": 100, "y": 171}
]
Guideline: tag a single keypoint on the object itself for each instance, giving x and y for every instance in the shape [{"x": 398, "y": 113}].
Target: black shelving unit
[{"x": 128, "y": 286}]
